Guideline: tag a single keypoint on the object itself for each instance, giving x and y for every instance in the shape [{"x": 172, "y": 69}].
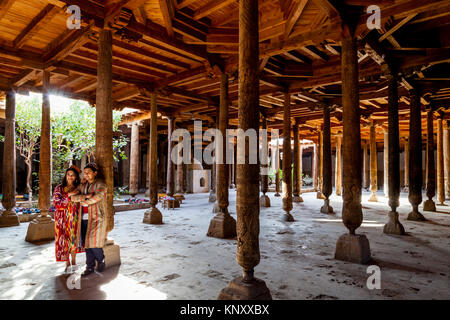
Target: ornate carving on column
[
  {"x": 264, "y": 200},
  {"x": 42, "y": 228},
  {"x": 277, "y": 170},
  {"x": 223, "y": 224},
  {"x": 366, "y": 166},
  {"x": 429, "y": 204},
  {"x": 315, "y": 161},
  {"x": 153, "y": 215},
  {"x": 248, "y": 287},
  {"x": 440, "y": 161},
  {"x": 393, "y": 226},
  {"x": 326, "y": 156},
  {"x": 8, "y": 217},
  {"x": 295, "y": 194},
  {"x": 386, "y": 163},
  {"x": 351, "y": 247},
  {"x": 300, "y": 173},
  {"x": 170, "y": 165},
  {"x": 180, "y": 173},
  {"x": 406, "y": 156},
  {"x": 373, "y": 163},
  {"x": 338, "y": 182},
  {"x": 287, "y": 160},
  {"x": 447, "y": 157},
  {"x": 415, "y": 157},
  {"x": 134, "y": 159}
]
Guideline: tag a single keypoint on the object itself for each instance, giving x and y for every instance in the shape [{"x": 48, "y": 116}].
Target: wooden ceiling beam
[
  {"x": 5, "y": 5},
  {"x": 211, "y": 7},
  {"x": 35, "y": 25}
]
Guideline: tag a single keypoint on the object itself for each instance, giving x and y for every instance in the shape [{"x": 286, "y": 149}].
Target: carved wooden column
[
  {"x": 314, "y": 165},
  {"x": 287, "y": 160},
  {"x": 415, "y": 157},
  {"x": 373, "y": 163},
  {"x": 134, "y": 159},
  {"x": 42, "y": 228},
  {"x": 366, "y": 166},
  {"x": 440, "y": 161},
  {"x": 447, "y": 157},
  {"x": 429, "y": 204},
  {"x": 264, "y": 200},
  {"x": 338, "y": 182},
  {"x": 223, "y": 224},
  {"x": 327, "y": 188},
  {"x": 319, "y": 194},
  {"x": 180, "y": 172},
  {"x": 170, "y": 164},
  {"x": 351, "y": 247},
  {"x": 300, "y": 160},
  {"x": 393, "y": 226},
  {"x": 295, "y": 195},
  {"x": 386, "y": 163},
  {"x": 248, "y": 287},
  {"x": 277, "y": 170},
  {"x": 9, "y": 217},
  {"x": 406, "y": 155},
  {"x": 153, "y": 215}
]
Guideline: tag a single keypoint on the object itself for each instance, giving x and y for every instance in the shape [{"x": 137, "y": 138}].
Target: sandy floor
[{"x": 177, "y": 261}]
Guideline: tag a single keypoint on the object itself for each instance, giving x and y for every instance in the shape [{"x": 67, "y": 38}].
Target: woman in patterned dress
[{"x": 67, "y": 235}]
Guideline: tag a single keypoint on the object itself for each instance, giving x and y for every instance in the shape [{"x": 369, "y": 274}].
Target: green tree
[
  {"x": 28, "y": 132},
  {"x": 73, "y": 134}
]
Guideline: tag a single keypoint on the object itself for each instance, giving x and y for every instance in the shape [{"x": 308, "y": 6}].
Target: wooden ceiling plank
[
  {"x": 5, "y": 5},
  {"x": 294, "y": 15},
  {"x": 211, "y": 7}
]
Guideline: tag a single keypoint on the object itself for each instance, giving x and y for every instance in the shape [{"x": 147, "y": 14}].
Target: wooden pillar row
[
  {"x": 264, "y": 200},
  {"x": 153, "y": 215},
  {"x": 373, "y": 163},
  {"x": 134, "y": 159},
  {"x": 287, "y": 160},
  {"x": 8, "y": 216}
]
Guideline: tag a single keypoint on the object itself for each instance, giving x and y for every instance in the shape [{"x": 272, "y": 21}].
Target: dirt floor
[{"x": 177, "y": 260}]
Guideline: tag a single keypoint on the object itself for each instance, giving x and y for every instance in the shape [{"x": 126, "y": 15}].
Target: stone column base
[
  {"x": 222, "y": 226},
  {"x": 394, "y": 226},
  {"x": 327, "y": 209},
  {"x": 320, "y": 195},
  {"x": 153, "y": 216},
  {"x": 373, "y": 198},
  {"x": 297, "y": 199},
  {"x": 353, "y": 248},
  {"x": 406, "y": 189},
  {"x": 212, "y": 198},
  {"x": 416, "y": 216},
  {"x": 112, "y": 253},
  {"x": 264, "y": 201},
  {"x": 41, "y": 229},
  {"x": 288, "y": 217},
  {"x": 239, "y": 290},
  {"x": 9, "y": 219},
  {"x": 216, "y": 208},
  {"x": 277, "y": 194},
  {"x": 232, "y": 186},
  {"x": 429, "y": 205}
]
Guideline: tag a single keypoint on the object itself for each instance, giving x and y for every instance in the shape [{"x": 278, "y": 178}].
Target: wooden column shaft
[
  {"x": 170, "y": 165},
  {"x": 265, "y": 177},
  {"x": 45, "y": 151},
  {"x": 247, "y": 199},
  {"x": 296, "y": 161},
  {"x": 134, "y": 159},
  {"x": 415, "y": 151},
  {"x": 338, "y": 165},
  {"x": 327, "y": 167},
  {"x": 222, "y": 168},
  {"x": 153, "y": 145},
  {"x": 393, "y": 145},
  {"x": 351, "y": 209},
  {"x": 440, "y": 161},
  {"x": 9, "y": 153},
  {"x": 373, "y": 159},
  {"x": 431, "y": 172},
  {"x": 287, "y": 155}
]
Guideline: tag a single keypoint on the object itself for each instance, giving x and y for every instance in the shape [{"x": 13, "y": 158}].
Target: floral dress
[{"x": 66, "y": 225}]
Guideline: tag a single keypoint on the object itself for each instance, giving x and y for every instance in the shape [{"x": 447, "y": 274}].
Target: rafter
[{"x": 211, "y": 7}]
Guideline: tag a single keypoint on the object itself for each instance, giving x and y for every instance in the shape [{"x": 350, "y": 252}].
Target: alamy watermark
[{"x": 374, "y": 280}]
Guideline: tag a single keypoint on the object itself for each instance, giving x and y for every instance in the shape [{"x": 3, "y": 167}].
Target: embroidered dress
[{"x": 66, "y": 225}]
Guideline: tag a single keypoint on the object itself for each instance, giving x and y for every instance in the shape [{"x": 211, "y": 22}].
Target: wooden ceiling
[{"x": 177, "y": 48}]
